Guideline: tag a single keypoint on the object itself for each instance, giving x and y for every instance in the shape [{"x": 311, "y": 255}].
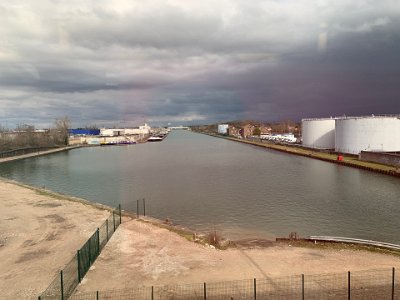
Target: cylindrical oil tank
[
  {"x": 318, "y": 133},
  {"x": 372, "y": 133}
]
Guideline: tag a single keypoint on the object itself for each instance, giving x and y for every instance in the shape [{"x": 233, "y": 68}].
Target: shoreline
[
  {"x": 42, "y": 229},
  {"x": 202, "y": 238},
  {"x": 348, "y": 161},
  {"x": 36, "y": 154}
]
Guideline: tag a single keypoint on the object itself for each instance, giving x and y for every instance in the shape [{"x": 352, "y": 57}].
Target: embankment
[
  {"x": 35, "y": 154},
  {"x": 349, "y": 161}
]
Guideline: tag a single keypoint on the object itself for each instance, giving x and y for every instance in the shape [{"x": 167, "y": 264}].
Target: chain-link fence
[
  {"x": 64, "y": 284},
  {"x": 370, "y": 284}
]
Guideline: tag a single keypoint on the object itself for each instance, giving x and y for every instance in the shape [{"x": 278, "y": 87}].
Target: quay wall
[
  {"x": 386, "y": 158},
  {"x": 291, "y": 149}
]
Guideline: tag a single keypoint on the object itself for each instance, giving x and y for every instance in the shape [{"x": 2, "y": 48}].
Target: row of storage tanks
[{"x": 353, "y": 134}]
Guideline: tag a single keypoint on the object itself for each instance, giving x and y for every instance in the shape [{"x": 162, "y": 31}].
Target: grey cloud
[{"x": 101, "y": 62}]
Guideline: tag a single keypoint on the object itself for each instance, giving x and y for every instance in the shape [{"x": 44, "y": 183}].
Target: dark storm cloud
[{"x": 189, "y": 61}]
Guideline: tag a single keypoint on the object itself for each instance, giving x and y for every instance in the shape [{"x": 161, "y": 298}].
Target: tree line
[{"x": 26, "y": 136}]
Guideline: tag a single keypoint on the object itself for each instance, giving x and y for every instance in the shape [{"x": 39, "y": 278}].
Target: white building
[
  {"x": 141, "y": 130},
  {"x": 223, "y": 128}
]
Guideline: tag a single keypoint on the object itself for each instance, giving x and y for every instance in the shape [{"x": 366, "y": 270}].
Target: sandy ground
[
  {"x": 143, "y": 254},
  {"x": 38, "y": 236}
]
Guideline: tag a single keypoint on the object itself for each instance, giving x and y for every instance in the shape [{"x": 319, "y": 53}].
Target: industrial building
[
  {"x": 223, "y": 128},
  {"x": 353, "y": 134},
  {"x": 373, "y": 133},
  {"x": 83, "y": 131},
  {"x": 318, "y": 133},
  {"x": 141, "y": 130}
]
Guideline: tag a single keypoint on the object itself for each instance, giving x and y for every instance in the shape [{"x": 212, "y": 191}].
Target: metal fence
[
  {"x": 370, "y": 284},
  {"x": 64, "y": 284}
]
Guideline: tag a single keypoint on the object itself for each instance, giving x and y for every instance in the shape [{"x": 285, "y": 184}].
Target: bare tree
[{"x": 62, "y": 126}]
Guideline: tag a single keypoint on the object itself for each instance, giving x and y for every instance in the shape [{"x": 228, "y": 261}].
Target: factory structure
[
  {"x": 318, "y": 133},
  {"x": 367, "y": 136},
  {"x": 109, "y": 136}
]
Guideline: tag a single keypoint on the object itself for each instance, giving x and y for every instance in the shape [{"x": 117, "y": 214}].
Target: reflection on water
[{"x": 204, "y": 182}]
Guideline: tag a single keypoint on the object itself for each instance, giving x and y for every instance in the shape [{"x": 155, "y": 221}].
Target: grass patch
[
  {"x": 190, "y": 235},
  {"x": 296, "y": 149},
  {"x": 50, "y": 194}
]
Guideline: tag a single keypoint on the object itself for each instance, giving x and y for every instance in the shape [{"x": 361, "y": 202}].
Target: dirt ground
[
  {"x": 141, "y": 254},
  {"x": 39, "y": 234}
]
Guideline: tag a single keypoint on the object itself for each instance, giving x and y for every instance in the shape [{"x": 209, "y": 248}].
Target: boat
[
  {"x": 107, "y": 143},
  {"x": 154, "y": 139},
  {"x": 123, "y": 143}
]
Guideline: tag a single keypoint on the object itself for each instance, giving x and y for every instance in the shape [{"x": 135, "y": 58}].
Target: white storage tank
[
  {"x": 372, "y": 133},
  {"x": 223, "y": 128},
  {"x": 318, "y": 133}
]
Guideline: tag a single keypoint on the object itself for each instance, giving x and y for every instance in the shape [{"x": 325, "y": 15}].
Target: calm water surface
[{"x": 204, "y": 182}]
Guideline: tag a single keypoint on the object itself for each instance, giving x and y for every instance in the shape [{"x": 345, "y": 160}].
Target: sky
[{"x": 126, "y": 62}]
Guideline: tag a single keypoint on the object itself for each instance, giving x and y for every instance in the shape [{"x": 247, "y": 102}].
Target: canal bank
[
  {"x": 41, "y": 230},
  {"x": 192, "y": 179},
  {"x": 347, "y": 160},
  {"x": 36, "y": 154}
]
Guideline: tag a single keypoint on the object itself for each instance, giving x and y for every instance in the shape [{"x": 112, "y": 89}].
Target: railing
[
  {"x": 65, "y": 282},
  {"x": 355, "y": 241}
]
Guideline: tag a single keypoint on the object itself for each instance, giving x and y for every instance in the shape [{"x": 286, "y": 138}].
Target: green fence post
[
  {"x": 393, "y": 270},
  {"x": 137, "y": 209},
  {"x": 107, "y": 228},
  {"x": 302, "y": 286},
  {"x": 78, "y": 256},
  {"x": 98, "y": 241},
  {"x": 97, "y": 295},
  {"x": 205, "y": 291},
  {"x": 348, "y": 286},
  {"x": 90, "y": 252},
  {"x": 114, "y": 220},
  {"x": 144, "y": 207},
  {"x": 62, "y": 285},
  {"x": 152, "y": 292},
  {"x": 120, "y": 215},
  {"x": 255, "y": 289}
]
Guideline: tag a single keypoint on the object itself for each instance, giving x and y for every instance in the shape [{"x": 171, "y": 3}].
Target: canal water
[{"x": 242, "y": 191}]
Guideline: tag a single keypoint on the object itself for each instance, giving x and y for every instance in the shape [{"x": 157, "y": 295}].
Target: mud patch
[
  {"x": 28, "y": 243},
  {"x": 51, "y": 237},
  {"x": 47, "y": 204},
  {"x": 56, "y": 218},
  {"x": 27, "y": 256},
  {"x": 69, "y": 226},
  {"x": 315, "y": 255},
  {"x": 252, "y": 243}
]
